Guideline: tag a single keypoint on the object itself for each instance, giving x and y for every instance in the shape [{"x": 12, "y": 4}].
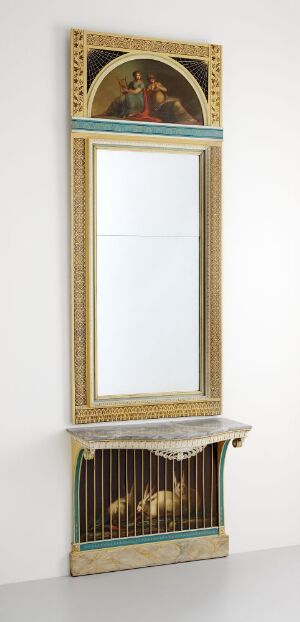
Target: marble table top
[{"x": 191, "y": 433}]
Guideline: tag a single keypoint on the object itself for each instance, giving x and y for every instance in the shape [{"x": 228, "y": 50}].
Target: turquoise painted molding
[
  {"x": 177, "y": 535},
  {"x": 76, "y": 496},
  {"x": 80, "y": 124},
  {"x": 221, "y": 483}
]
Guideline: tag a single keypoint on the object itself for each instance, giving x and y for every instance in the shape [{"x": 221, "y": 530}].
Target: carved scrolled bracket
[
  {"x": 238, "y": 442},
  {"x": 89, "y": 454},
  {"x": 178, "y": 454}
]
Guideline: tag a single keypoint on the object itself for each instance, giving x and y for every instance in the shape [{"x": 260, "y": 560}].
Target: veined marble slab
[{"x": 194, "y": 433}]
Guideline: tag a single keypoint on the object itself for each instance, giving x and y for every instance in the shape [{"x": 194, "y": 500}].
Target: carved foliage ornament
[
  {"x": 215, "y": 85},
  {"x": 78, "y": 72},
  {"x": 179, "y": 454},
  {"x": 146, "y": 45},
  {"x": 79, "y": 270}
]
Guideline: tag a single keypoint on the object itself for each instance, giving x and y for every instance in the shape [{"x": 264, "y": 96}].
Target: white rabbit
[
  {"x": 113, "y": 508},
  {"x": 163, "y": 500}
]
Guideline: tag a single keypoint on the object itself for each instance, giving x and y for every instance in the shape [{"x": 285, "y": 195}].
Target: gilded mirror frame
[{"x": 204, "y": 140}]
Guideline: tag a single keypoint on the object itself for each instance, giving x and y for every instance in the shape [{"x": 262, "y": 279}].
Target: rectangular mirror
[
  {"x": 146, "y": 230},
  {"x": 148, "y": 262}
]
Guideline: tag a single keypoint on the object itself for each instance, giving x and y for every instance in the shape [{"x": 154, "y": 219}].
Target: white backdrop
[{"x": 261, "y": 264}]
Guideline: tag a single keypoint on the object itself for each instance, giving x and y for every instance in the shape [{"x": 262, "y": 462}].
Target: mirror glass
[{"x": 147, "y": 272}]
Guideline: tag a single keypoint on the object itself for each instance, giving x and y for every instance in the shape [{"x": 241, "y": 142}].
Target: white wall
[{"x": 261, "y": 264}]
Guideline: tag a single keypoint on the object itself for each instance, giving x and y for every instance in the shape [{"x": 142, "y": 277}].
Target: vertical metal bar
[
  {"x": 150, "y": 485},
  {"x": 166, "y": 485},
  {"x": 189, "y": 493},
  {"x": 203, "y": 485},
  {"x": 143, "y": 528},
  {"x": 212, "y": 486},
  {"x": 119, "y": 494},
  {"x": 102, "y": 493},
  {"x": 95, "y": 495},
  {"x": 181, "y": 513},
  {"x": 86, "y": 505},
  {"x": 196, "y": 484},
  {"x": 134, "y": 489},
  {"x": 110, "y": 491},
  {"x": 126, "y": 485},
  {"x": 158, "y": 526},
  {"x": 79, "y": 502},
  {"x": 173, "y": 477}
]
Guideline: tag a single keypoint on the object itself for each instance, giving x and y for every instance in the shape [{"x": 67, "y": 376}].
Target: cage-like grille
[
  {"x": 199, "y": 71},
  {"x": 97, "y": 60},
  {"x": 133, "y": 492}
]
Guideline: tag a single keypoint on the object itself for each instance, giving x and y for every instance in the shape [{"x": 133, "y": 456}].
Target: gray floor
[{"x": 258, "y": 586}]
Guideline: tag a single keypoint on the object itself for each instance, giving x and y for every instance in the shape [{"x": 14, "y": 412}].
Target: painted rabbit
[
  {"x": 113, "y": 508},
  {"x": 163, "y": 500}
]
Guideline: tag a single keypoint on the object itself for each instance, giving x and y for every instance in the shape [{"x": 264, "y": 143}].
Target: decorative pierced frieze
[
  {"x": 147, "y": 411},
  {"x": 147, "y": 45}
]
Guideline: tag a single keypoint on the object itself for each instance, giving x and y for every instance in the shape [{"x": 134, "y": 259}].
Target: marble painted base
[{"x": 150, "y": 554}]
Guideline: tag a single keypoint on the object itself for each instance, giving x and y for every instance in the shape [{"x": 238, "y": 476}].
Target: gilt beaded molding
[{"x": 83, "y": 41}]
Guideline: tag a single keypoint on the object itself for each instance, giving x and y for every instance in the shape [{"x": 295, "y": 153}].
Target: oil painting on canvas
[{"x": 147, "y": 90}]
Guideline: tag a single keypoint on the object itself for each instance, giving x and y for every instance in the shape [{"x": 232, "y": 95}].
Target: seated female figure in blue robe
[{"x": 131, "y": 102}]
